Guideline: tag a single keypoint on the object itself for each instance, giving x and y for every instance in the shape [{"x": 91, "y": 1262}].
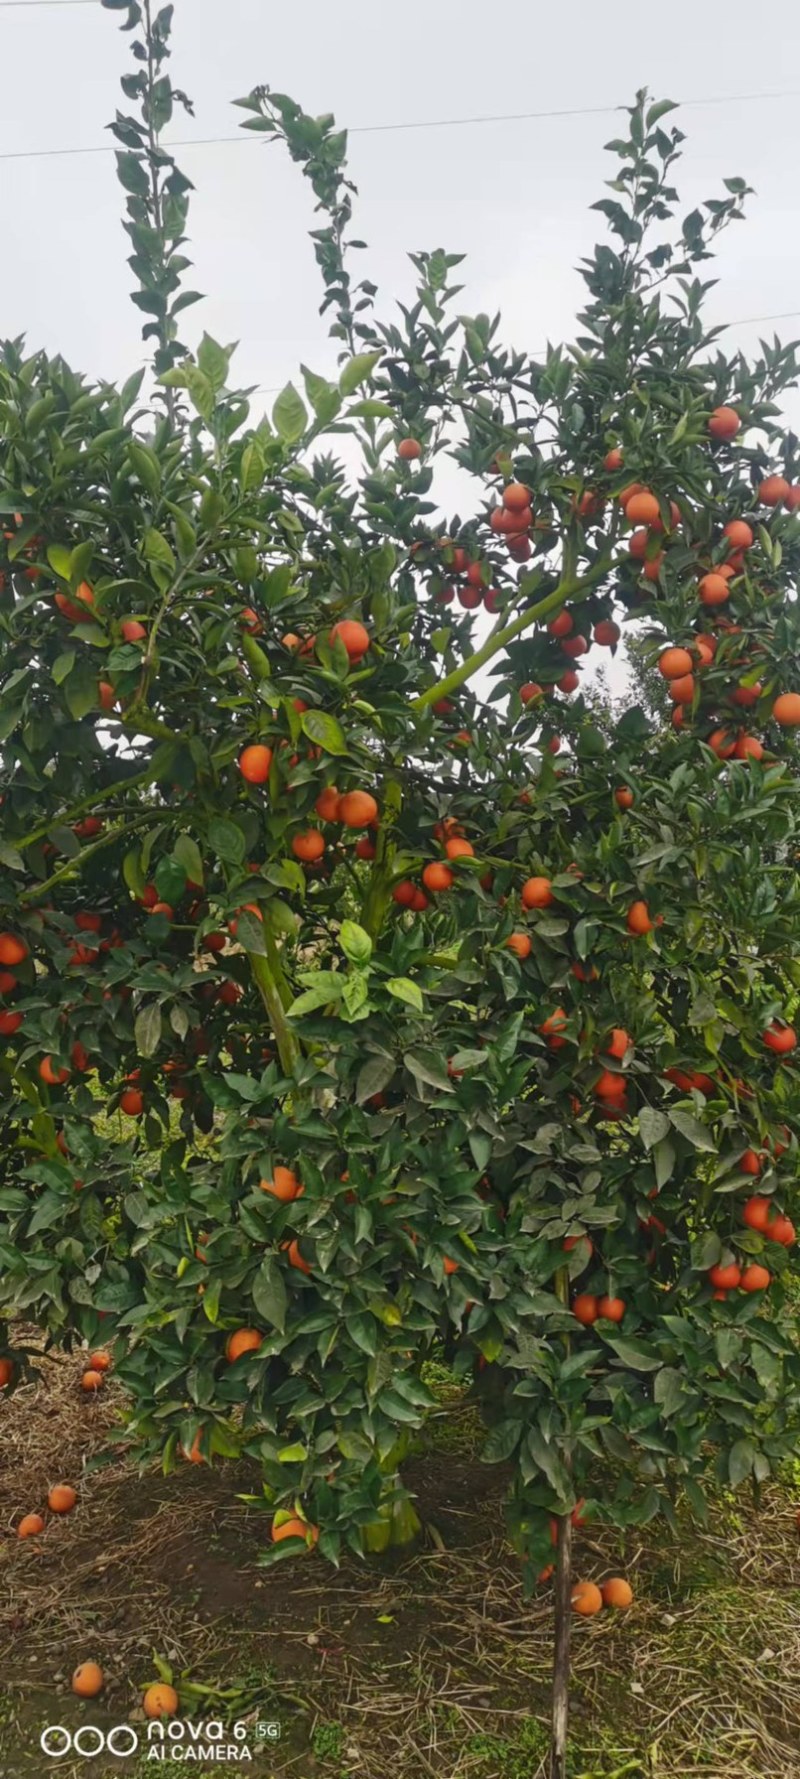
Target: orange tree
[{"x": 351, "y": 1012}]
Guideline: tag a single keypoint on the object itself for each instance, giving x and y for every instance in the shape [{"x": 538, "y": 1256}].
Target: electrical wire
[{"x": 429, "y": 123}]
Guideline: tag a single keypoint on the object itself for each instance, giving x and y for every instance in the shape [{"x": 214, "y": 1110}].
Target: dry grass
[{"x": 434, "y": 1666}]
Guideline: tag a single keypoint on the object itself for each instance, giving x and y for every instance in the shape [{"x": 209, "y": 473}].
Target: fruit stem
[
  {"x": 73, "y": 867},
  {"x": 567, "y": 589}
]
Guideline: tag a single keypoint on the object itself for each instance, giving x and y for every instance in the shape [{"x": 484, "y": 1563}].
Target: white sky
[{"x": 513, "y": 196}]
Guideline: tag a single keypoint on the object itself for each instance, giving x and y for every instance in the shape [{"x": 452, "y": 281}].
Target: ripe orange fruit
[
  {"x": 724, "y": 423},
  {"x": 637, "y": 545},
  {"x": 132, "y": 630},
  {"x": 160, "y": 1700},
  {"x": 609, "y": 1086},
  {"x": 354, "y": 636},
  {"x": 606, "y": 633},
  {"x": 585, "y": 1309},
  {"x": 783, "y": 1231},
  {"x": 357, "y": 809},
  {"x": 294, "y": 1528},
  {"x": 30, "y": 1526},
  {"x": 132, "y": 1102},
  {"x": 638, "y": 918},
  {"x": 327, "y": 804},
  {"x": 738, "y": 533},
  {"x": 308, "y": 846},
  {"x": 520, "y": 944},
  {"x": 619, "y": 1044},
  {"x": 537, "y": 892},
  {"x": 92, "y": 1381},
  {"x": 611, "y": 1308},
  {"x": 748, "y": 747},
  {"x": 195, "y": 1453},
  {"x": 722, "y": 743},
  {"x": 681, "y": 691},
  {"x": 586, "y": 1599},
  {"x": 6, "y": 1372},
  {"x": 296, "y": 1259},
  {"x": 255, "y": 762},
  {"x": 457, "y": 848},
  {"x": 792, "y": 499},
  {"x": 749, "y": 1162},
  {"x": 642, "y": 508},
  {"x": 404, "y": 893},
  {"x": 780, "y": 1038},
  {"x": 8, "y": 982},
  {"x": 568, "y": 682},
  {"x": 552, "y": 1028},
  {"x": 62, "y": 1498},
  {"x": 623, "y": 797},
  {"x": 12, "y": 950},
  {"x": 786, "y": 711},
  {"x": 772, "y": 491},
  {"x": 725, "y": 1278},
  {"x": 10, "y": 1023},
  {"x": 613, "y": 459},
  {"x": 617, "y": 1592},
  {"x": 284, "y": 1185},
  {"x": 627, "y": 494},
  {"x": 242, "y": 1340},
  {"x": 51, "y": 1076},
  {"x": 438, "y": 877},
  {"x": 516, "y": 497},
  {"x": 99, "y": 1362},
  {"x": 652, "y": 569},
  {"x": 756, "y": 1212},
  {"x": 560, "y": 626},
  {"x": 409, "y": 449},
  {"x": 106, "y": 694},
  {"x": 529, "y": 692},
  {"x": 744, "y": 696},
  {"x": 714, "y": 589},
  {"x": 674, "y": 663},
  {"x": 88, "y": 1680},
  {"x": 755, "y": 1278}
]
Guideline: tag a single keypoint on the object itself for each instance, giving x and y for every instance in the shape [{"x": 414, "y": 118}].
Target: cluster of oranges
[
  {"x": 588, "y": 1599},
  {"x": 61, "y": 1499},
  {"x": 93, "y": 1378},
  {"x": 159, "y": 1701}
]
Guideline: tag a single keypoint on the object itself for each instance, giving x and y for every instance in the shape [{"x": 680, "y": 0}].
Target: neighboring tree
[{"x": 344, "y": 1014}]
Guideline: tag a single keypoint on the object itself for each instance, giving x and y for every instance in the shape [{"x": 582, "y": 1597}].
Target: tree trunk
[{"x": 563, "y": 1624}]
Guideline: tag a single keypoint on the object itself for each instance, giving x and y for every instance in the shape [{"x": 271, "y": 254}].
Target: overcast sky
[{"x": 513, "y": 196}]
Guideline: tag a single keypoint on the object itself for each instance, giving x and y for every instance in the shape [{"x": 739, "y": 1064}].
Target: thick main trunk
[{"x": 563, "y": 1624}]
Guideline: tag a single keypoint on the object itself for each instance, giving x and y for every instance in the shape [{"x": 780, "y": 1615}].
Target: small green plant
[{"x": 328, "y": 1741}]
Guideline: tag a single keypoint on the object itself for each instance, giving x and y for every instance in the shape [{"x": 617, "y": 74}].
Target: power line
[
  {"x": 429, "y": 123},
  {"x": 741, "y": 321}
]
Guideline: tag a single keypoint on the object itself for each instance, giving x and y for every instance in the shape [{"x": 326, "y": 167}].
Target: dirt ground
[{"x": 430, "y": 1664}]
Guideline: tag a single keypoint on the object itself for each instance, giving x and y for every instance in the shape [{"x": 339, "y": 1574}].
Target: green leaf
[
  {"x": 405, "y": 990},
  {"x": 252, "y": 468},
  {"x": 330, "y": 987},
  {"x": 740, "y": 1461},
  {"x": 373, "y": 1076},
  {"x": 58, "y": 556},
  {"x": 663, "y": 1162},
  {"x": 157, "y": 549},
  {"x": 323, "y": 396},
  {"x": 146, "y": 466},
  {"x": 147, "y": 1029},
  {"x": 425, "y": 1066},
  {"x": 501, "y": 1442},
  {"x": 9, "y": 857},
  {"x": 63, "y": 665},
  {"x": 227, "y": 840},
  {"x": 660, "y": 109},
  {"x": 358, "y": 370},
  {"x": 133, "y": 873},
  {"x": 355, "y": 942},
  {"x": 653, "y": 1126},
  {"x": 214, "y": 361},
  {"x": 690, "y": 1127},
  {"x": 293, "y": 1454},
  {"x": 289, "y": 415},
  {"x": 269, "y": 1293},
  {"x": 324, "y": 731},
  {"x": 371, "y": 410},
  {"x": 636, "y": 1355},
  {"x": 80, "y": 691},
  {"x": 363, "y": 1330},
  {"x": 186, "y": 853},
  {"x": 668, "y": 1390}
]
